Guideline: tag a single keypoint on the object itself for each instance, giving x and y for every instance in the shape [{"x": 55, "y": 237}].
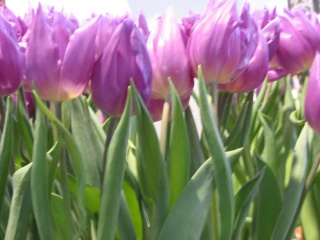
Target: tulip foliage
[{"x": 236, "y": 156}]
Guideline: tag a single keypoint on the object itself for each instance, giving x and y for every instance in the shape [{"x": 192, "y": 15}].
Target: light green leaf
[
  {"x": 113, "y": 177},
  {"x": 243, "y": 201},
  {"x": 39, "y": 180},
  {"x": 21, "y": 205},
  {"x": 59, "y": 217},
  {"x": 88, "y": 141},
  {"x": 178, "y": 150},
  {"x": 290, "y": 208},
  {"x": 152, "y": 178},
  {"x": 221, "y": 164},
  {"x": 125, "y": 224},
  {"x": 189, "y": 213}
]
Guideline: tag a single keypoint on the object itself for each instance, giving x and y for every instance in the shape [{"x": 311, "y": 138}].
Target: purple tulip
[
  {"x": 222, "y": 42},
  {"x": 11, "y": 60},
  {"x": 298, "y": 43},
  {"x": 124, "y": 57},
  {"x": 275, "y": 74},
  {"x": 18, "y": 26},
  {"x": 167, "y": 51},
  {"x": 254, "y": 74},
  {"x": 60, "y": 60},
  {"x": 311, "y": 105}
]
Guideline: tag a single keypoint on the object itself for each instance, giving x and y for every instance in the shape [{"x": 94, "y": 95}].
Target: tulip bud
[
  {"x": 167, "y": 51},
  {"x": 19, "y": 27},
  {"x": 298, "y": 43},
  {"x": 311, "y": 105},
  {"x": 222, "y": 42},
  {"x": 254, "y": 74},
  {"x": 59, "y": 60},
  {"x": 11, "y": 60},
  {"x": 125, "y": 57}
]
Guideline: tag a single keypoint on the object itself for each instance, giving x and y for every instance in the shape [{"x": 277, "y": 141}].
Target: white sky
[{"x": 84, "y": 8}]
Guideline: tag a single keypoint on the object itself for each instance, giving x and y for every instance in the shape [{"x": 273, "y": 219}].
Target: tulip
[
  {"x": 222, "y": 42},
  {"x": 59, "y": 60},
  {"x": 311, "y": 105},
  {"x": 254, "y": 74},
  {"x": 167, "y": 51},
  {"x": 11, "y": 60},
  {"x": 125, "y": 57},
  {"x": 18, "y": 26},
  {"x": 298, "y": 43}
]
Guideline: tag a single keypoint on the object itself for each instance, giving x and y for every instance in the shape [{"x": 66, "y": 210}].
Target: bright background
[{"x": 84, "y": 8}]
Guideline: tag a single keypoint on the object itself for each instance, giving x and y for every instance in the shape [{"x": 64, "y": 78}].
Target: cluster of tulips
[
  {"x": 235, "y": 49},
  {"x": 113, "y": 178}
]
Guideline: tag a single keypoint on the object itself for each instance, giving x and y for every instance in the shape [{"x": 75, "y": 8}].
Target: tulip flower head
[
  {"x": 167, "y": 51},
  {"x": 222, "y": 42},
  {"x": 125, "y": 57},
  {"x": 311, "y": 105},
  {"x": 298, "y": 43},
  {"x": 59, "y": 59},
  {"x": 11, "y": 60},
  {"x": 254, "y": 74}
]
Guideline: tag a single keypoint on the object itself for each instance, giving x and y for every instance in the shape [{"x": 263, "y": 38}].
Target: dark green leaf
[
  {"x": 221, "y": 164},
  {"x": 113, "y": 177},
  {"x": 189, "y": 213}
]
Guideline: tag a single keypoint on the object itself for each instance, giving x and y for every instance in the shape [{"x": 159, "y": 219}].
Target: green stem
[
  {"x": 214, "y": 101},
  {"x": 55, "y": 108},
  {"x": 311, "y": 175},
  {"x": 112, "y": 124},
  {"x": 164, "y": 126},
  {"x": 215, "y": 216}
]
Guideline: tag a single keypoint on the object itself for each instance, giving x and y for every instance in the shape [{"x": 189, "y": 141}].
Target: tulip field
[{"x": 235, "y": 93}]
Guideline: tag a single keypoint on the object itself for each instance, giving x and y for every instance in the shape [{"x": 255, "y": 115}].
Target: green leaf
[
  {"x": 113, "y": 177},
  {"x": 21, "y": 205},
  {"x": 290, "y": 207},
  {"x": 151, "y": 173},
  {"x": 234, "y": 156},
  {"x": 221, "y": 164},
  {"x": 196, "y": 154},
  {"x": 6, "y": 149},
  {"x": 178, "y": 150},
  {"x": 239, "y": 134},
  {"x": 87, "y": 139},
  {"x": 189, "y": 213},
  {"x": 125, "y": 224},
  {"x": 39, "y": 180},
  {"x": 59, "y": 216},
  {"x": 267, "y": 204},
  {"x": 76, "y": 157},
  {"x": 243, "y": 201}
]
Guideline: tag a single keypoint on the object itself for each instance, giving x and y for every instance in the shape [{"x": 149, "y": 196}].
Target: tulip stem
[
  {"x": 214, "y": 101},
  {"x": 112, "y": 124},
  {"x": 164, "y": 126},
  {"x": 266, "y": 96}
]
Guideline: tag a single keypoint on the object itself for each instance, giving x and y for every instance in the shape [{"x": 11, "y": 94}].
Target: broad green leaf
[
  {"x": 125, "y": 224},
  {"x": 189, "y": 213},
  {"x": 178, "y": 150},
  {"x": 267, "y": 204},
  {"x": 76, "y": 157},
  {"x": 59, "y": 217},
  {"x": 152, "y": 178},
  {"x": 243, "y": 201},
  {"x": 6, "y": 149},
  {"x": 21, "y": 205},
  {"x": 113, "y": 177},
  {"x": 88, "y": 141},
  {"x": 221, "y": 164},
  {"x": 310, "y": 216},
  {"x": 4, "y": 216},
  {"x": 196, "y": 154},
  {"x": 290, "y": 207},
  {"x": 39, "y": 180}
]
